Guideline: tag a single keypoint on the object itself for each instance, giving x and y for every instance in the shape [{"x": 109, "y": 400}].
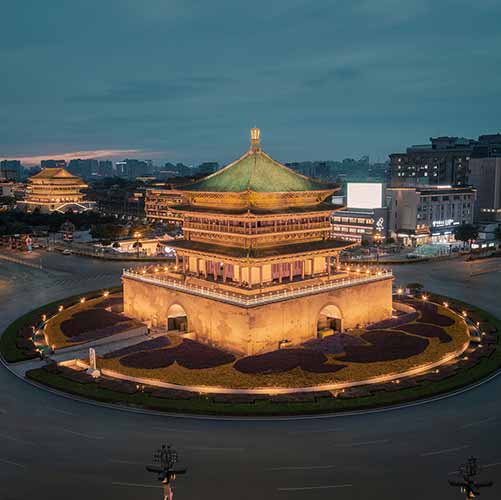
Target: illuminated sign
[
  {"x": 364, "y": 195},
  {"x": 442, "y": 223}
]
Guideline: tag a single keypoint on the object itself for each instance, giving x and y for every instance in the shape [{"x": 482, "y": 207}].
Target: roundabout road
[{"x": 56, "y": 448}]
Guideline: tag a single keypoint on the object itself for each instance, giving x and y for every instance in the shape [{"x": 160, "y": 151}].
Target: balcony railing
[
  {"x": 258, "y": 299},
  {"x": 281, "y": 228}
]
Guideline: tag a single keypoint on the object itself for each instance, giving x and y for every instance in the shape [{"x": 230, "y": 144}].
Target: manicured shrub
[
  {"x": 333, "y": 344},
  {"x": 188, "y": 354},
  {"x": 385, "y": 345},
  {"x": 90, "y": 320},
  {"x": 284, "y": 360},
  {"x": 142, "y": 346}
]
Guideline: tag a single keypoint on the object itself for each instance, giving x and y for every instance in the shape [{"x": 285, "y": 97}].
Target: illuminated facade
[
  {"x": 429, "y": 214},
  {"x": 55, "y": 190},
  {"x": 258, "y": 267}
]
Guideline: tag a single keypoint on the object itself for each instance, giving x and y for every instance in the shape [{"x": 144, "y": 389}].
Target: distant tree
[
  {"x": 497, "y": 233},
  {"x": 466, "y": 233},
  {"x": 108, "y": 231}
]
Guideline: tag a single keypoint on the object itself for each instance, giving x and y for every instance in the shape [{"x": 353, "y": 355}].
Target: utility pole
[
  {"x": 164, "y": 460},
  {"x": 469, "y": 486}
]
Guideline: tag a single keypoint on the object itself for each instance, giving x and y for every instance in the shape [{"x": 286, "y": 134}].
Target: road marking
[
  {"x": 494, "y": 464},
  {"x": 196, "y": 448},
  {"x": 9, "y": 462},
  {"x": 479, "y": 422},
  {"x": 124, "y": 462},
  {"x": 327, "y": 487},
  {"x": 308, "y": 467},
  {"x": 17, "y": 440},
  {"x": 116, "y": 483},
  {"x": 441, "y": 452},
  {"x": 364, "y": 443},
  {"x": 316, "y": 431},
  {"x": 88, "y": 436},
  {"x": 64, "y": 412}
]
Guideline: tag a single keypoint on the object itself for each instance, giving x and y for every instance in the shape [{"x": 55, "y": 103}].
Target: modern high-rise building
[
  {"x": 11, "y": 170},
  {"x": 428, "y": 214},
  {"x": 83, "y": 168},
  {"x": 53, "y": 164},
  {"x": 442, "y": 162}
]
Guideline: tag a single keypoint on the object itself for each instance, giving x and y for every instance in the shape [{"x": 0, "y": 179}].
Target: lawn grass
[{"x": 8, "y": 341}]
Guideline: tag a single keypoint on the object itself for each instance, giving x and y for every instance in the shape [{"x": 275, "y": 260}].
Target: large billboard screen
[{"x": 364, "y": 195}]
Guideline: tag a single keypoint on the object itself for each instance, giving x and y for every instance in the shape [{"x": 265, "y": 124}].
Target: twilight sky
[{"x": 184, "y": 80}]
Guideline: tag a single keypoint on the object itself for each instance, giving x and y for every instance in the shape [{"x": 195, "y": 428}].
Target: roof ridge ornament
[{"x": 255, "y": 139}]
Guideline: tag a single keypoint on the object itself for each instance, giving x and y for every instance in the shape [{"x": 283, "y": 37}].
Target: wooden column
[
  {"x": 291, "y": 270},
  {"x": 261, "y": 275},
  {"x": 239, "y": 278},
  {"x": 303, "y": 268},
  {"x": 224, "y": 272},
  {"x": 328, "y": 260},
  {"x": 249, "y": 274},
  {"x": 177, "y": 259},
  {"x": 312, "y": 263},
  {"x": 198, "y": 266}
]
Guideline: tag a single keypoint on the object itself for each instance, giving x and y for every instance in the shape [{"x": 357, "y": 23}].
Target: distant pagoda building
[
  {"x": 257, "y": 268},
  {"x": 55, "y": 190}
]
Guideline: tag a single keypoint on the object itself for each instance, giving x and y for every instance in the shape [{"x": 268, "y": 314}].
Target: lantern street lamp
[
  {"x": 468, "y": 485},
  {"x": 137, "y": 244},
  {"x": 164, "y": 460}
]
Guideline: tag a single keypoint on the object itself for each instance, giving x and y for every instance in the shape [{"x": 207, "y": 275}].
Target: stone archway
[
  {"x": 329, "y": 320},
  {"x": 177, "y": 318}
]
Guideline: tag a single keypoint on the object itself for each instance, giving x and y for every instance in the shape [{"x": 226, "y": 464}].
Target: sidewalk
[{"x": 102, "y": 346}]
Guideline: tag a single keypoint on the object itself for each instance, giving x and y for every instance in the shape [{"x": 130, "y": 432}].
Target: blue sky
[{"x": 184, "y": 80}]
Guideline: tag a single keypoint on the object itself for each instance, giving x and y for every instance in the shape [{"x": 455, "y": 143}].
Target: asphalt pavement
[{"x": 55, "y": 448}]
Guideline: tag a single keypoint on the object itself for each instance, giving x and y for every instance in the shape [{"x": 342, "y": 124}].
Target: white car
[{"x": 67, "y": 251}]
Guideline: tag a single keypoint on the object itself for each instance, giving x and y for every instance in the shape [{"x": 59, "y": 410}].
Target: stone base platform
[{"x": 263, "y": 327}]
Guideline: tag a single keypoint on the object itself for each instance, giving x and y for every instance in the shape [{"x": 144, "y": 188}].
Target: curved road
[{"x": 55, "y": 448}]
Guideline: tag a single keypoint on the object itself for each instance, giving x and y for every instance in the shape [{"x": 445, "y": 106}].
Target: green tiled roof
[{"x": 256, "y": 171}]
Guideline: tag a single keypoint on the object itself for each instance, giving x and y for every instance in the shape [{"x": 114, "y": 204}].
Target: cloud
[
  {"x": 83, "y": 155},
  {"x": 336, "y": 75},
  {"x": 153, "y": 90}
]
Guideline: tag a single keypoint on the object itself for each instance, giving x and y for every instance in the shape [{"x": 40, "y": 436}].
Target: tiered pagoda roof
[{"x": 256, "y": 171}]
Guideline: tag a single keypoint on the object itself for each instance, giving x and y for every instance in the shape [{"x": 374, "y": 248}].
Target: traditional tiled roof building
[
  {"x": 55, "y": 189},
  {"x": 256, "y": 234}
]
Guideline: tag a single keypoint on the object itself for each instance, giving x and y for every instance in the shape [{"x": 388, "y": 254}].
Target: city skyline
[{"x": 194, "y": 80}]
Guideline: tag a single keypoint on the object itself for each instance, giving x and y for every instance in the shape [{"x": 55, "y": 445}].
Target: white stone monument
[{"x": 92, "y": 370}]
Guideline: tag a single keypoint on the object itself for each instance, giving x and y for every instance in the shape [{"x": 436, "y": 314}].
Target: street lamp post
[
  {"x": 164, "y": 460},
  {"x": 138, "y": 243},
  {"x": 468, "y": 485}
]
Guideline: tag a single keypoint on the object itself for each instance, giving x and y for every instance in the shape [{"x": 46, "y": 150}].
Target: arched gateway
[
  {"x": 329, "y": 318},
  {"x": 177, "y": 318}
]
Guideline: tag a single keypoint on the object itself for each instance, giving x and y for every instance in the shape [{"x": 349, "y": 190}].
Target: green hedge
[{"x": 8, "y": 347}]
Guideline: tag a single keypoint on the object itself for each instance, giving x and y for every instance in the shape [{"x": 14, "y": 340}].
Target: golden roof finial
[{"x": 255, "y": 135}]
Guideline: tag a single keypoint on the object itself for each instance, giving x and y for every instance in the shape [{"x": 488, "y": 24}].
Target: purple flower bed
[
  {"x": 386, "y": 345},
  {"x": 188, "y": 354},
  {"x": 430, "y": 314},
  {"x": 115, "y": 300},
  {"x": 286, "y": 359},
  {"x": 90, "y": 320},
  {"x": 142, "y": 346},
  {"x": 426, "y": 330},
  {"x": 393, "y": 322},
  {"x": 108, "y": 330},
  {"x": 333, "y": 344}
]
